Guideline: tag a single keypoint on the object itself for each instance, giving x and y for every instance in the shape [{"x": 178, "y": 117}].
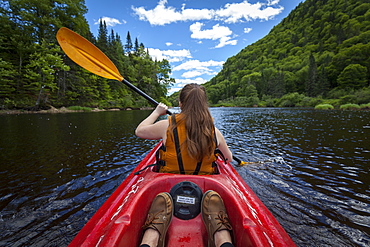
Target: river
[{"x": 309, "y": 167}]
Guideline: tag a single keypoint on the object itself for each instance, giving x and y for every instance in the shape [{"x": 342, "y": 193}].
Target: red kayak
[{"x": 120, "y": 219}]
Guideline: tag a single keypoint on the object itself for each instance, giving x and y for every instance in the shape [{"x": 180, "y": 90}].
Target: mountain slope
[{"x": 322, "y": 45}]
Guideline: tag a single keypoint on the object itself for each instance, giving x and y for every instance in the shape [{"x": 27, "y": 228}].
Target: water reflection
[{"x": 310, "y": 168}]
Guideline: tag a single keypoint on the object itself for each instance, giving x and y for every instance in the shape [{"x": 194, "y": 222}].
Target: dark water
[{"x": 311, "y": 169}]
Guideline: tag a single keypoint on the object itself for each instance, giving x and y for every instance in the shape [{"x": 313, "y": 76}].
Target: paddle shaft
[{"x": 147, "y": 97}]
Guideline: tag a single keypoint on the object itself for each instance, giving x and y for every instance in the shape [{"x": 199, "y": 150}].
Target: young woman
[
  {"x": 191, "y": 134},
  {"x": 189, "y": 143}
]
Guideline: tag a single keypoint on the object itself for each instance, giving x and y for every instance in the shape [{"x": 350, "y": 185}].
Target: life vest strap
[
  {"x": 199, "y": 165},
  {"x": 177, "y": 145}
]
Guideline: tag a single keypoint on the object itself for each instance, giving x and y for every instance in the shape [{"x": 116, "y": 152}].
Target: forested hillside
[
  {"x": 320, "y": 51},
  {"x": 35, "y": 73}
]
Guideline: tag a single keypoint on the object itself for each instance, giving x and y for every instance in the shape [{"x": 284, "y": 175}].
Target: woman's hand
[{"x": 161, "y": 109}]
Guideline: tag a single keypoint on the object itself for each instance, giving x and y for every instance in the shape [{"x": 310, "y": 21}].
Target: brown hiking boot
[
  {"x": 160, "y": 215},
  {"x": 214, "y": 215}
]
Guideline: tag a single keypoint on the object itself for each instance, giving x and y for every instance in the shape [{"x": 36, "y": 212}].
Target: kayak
[{"x": 119, "y": 221}]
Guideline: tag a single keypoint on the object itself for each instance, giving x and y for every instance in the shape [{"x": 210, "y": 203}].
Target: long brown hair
[{"x": 198, "y": 121}]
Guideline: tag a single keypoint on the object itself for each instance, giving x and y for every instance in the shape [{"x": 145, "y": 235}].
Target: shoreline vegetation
[
  {"x": 63, "y": 109},
  {"x": 338, "y": 99},
  {"x": 73, "y": 109}
]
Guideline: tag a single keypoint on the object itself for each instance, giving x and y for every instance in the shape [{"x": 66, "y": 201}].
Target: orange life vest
[{"x": 174, "y": 156}]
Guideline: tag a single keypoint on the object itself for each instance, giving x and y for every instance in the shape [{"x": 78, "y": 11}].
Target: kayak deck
[{"x": 120, "y": 219}]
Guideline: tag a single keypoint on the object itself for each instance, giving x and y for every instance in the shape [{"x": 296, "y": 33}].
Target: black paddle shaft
[{"x": 147, "y": 97}]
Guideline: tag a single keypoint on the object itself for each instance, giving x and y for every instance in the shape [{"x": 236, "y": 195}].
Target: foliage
[
  {"x": 35, "y": 72},
  {"x": 350, "y": 107},
  {"x": 321, "y": 49},
  {"x": 225, "y": 104},
  {"x": 324, "y": 107},
  {"x": 365, "y": 106},
  {"x": 340, "y": 97},
  {"x": 7, "y": 87},
  {"x": 173, "y": 99},
  {"x": 79, "y": 108},
  {"x": 353, "y": 76},
  {"x": 290, "y": 100}
]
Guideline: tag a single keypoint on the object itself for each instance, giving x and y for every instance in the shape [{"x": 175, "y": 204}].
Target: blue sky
[{"x": 195, "y": 36}]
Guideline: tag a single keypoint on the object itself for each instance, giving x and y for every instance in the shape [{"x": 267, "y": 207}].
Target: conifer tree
[
  {"x": 102, "y": 40},
  {"x": 128, "y": 45},
  {"x": 136, "y": 46},
  {"x": 312, "y": 78}
]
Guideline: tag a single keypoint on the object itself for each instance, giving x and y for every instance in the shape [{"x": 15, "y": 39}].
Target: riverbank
[
  {"x": 353, "y": 107},
  {"x": 66, "y": 110}
]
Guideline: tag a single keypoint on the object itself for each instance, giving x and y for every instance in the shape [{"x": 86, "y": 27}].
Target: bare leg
[
  {"x": 221, "y": 237},
  {"x": 150, "y": 237}
]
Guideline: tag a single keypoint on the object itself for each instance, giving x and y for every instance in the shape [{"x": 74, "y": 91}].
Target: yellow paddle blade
[
  {"x": 87, "y": 55},
  {"x": 242, "y": 163}
]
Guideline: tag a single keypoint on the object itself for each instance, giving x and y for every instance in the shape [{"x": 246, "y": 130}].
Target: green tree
[
  {"x": 247, "y": 80},
  {"x": 137, "y": 46},
  {"x": 312, "y": 79},
  {"x": 102, "y": 40},
  {"x": 7, "y": 85},
  {"x": 323, "y": 82},
  {"x": 41, "y": 71},
  {"x": 353, "y": 76},
  {"x": 163, "y": 75},
  {"x": 128, "y": 45}
]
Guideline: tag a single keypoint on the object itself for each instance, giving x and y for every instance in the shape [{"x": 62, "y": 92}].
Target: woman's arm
[
  {"x": 222, "y": 145},
  {"x": 149, "y": 129}
]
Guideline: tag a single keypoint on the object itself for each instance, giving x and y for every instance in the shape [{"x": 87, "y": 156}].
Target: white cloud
[
  {"x": 230, "y": 13},
  {"x": 173, "y": 90},
  {"x": 169, "y": 43},
  {"x": 196, "y": 64},
  {"x": 111, "y": 22},
  {"x": 221, "y": 33},
  {"x": 170, "y": 55},
  {"x": 182, "y": 82},
  {"x": 247, "y": 30},
  {"x": 217, "y": 31},
  {"x": 195, "y": 73},
  {"x": 192, "y": 74},
  {"x": 162, "y": 15},
  {"x": 196, "y": 68},
  {"x": 236, "y": 12},
  {"x": 226, "y": 41},
  {"x": 272, "y": 2}
]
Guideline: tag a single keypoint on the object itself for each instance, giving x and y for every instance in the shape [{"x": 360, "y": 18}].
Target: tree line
[
  {"x": 321, "y": 51},
  {"x": 35, "y": 72}
]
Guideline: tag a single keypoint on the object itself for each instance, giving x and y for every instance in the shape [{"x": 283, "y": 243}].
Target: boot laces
[
  {"x": 223, "y": 220},
  {"x": 152, "y": 219}
]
